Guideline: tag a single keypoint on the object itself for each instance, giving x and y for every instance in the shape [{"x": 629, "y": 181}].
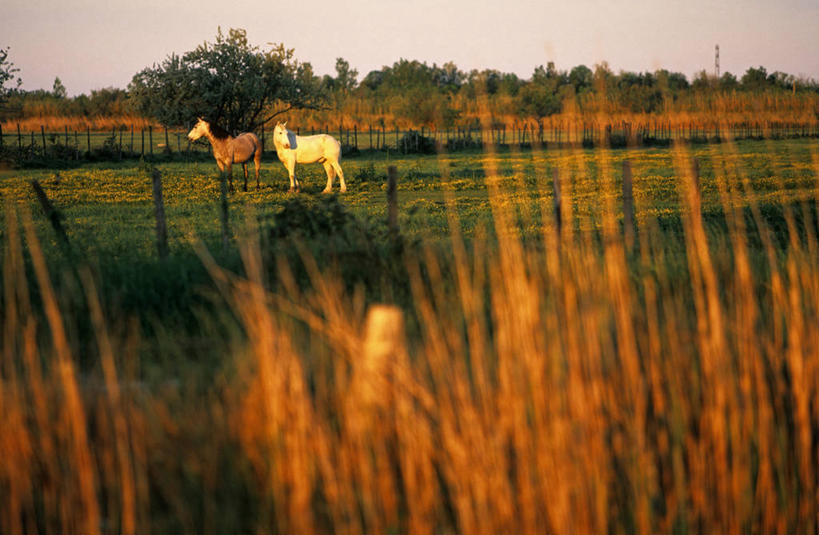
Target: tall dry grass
[
  {"x": 568, "y": 385},
  {"x": 693, "y": 110}
]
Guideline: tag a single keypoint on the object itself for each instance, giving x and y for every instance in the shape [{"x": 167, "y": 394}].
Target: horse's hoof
[
  {"x": 343, "y": 190},
  {"x": 326, "y": 190},
  {"x": 293, "y": 190}
]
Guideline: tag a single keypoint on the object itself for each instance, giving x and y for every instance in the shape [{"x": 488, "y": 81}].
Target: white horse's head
[
  {"x": 200, "y": 129},
  {"x": 280, "y": 136}
]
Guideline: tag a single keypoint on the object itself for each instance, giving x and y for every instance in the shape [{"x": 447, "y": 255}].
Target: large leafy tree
[
  {"x": 229, "y": 82},
  {"x": 7, "y": 74}
]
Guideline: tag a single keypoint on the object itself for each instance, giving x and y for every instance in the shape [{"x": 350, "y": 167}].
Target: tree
[
  {"x": 58, "y": 89},
  {"x": 229, "y": 82},
  {"x": 728, "y": 81},
  {"x": 702, "y": 81},
  {"x": 537, "y": 101},
  {"x": 7, "y": 73},
  {"x": 755, "y": 79},
  {"x": 346, "y": 78},
  {"x": 581, "y": 77}
]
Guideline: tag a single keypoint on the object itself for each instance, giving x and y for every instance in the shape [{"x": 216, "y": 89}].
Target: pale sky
[{"x": 92, "y": 44}]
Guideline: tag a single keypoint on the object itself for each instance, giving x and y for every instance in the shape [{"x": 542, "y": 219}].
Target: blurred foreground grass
[{"x": 519, "y": 380}]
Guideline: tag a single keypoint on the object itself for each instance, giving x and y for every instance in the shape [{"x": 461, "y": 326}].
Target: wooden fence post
[
  {"x": 42, "y": 133},
  {"x": 1, "y": 135},
  {"x": 159, "y": 213},
  {"x": 19, "y": 138},
  {"x": 628, "y": 206},
  {"x": 151, "y": 139},
  {"x": 384, "y": 353},
  {"x": 392, "y": 200},
  {"x": 142, "y": 151},
  {"x": 52, "y": 215},
  {"x": 224, "y": 216}
]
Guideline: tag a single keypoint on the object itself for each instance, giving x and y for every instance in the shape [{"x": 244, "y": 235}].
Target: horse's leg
[
  {"x": 229, "y": 168},
  {"x": 222, "y": 168},
  {"x": 337, "y": 167},
  {"x": 293, "y": 181},
  {"x": 244, "y": 168},
  {"x": 328, "y": 168}
]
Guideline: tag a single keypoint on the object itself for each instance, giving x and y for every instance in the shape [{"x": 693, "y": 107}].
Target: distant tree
[
  {"x": 107, "y": 101},
  {"x": 728, "y": 81},
  {"x": 755, "y": 79},
  {"x": 229, "y": 82},
  {"x": 58, "y": 89},
  {"x": 537, "y": 101},
  {"x": 7, "y": 74},
  {"x": 603, "y": 77},
  {"x": 677, "y": 82},
  {"x": 670, "y": 84},
  {"x": 373, "y": 80},
  {"x": 702, "y": 81},
  {"x": 346, "y": 78},
  {"x": 448, "y": 77},
  {"x": 781, "y": 80},
  {"x": 582, "y": 78},
  {"x": 640, "y": 92}
]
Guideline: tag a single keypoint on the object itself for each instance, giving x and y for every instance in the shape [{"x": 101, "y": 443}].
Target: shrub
[{"x": 413, "y": 142}]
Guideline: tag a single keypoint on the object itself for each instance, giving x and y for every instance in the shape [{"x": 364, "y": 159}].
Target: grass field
[
  {"x": 518, "y": 380},
  {"x": 109, "y": 209}
]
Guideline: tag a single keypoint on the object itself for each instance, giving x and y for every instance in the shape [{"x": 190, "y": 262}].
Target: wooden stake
[
  {"x": 223, "y": 212},
  {"x": 51, "y": 214},
  {"x": 392, "y": 199},
  {"x": 159, "y": 213}
]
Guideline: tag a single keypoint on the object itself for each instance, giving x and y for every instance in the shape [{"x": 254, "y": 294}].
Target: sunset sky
[{"x": 91, "y": 44}]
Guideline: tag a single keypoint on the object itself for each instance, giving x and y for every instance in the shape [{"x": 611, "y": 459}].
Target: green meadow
[{"x": 108, "y": 207}]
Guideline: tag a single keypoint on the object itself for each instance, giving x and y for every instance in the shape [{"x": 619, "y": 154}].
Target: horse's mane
[{"x": 218, "y": 132}]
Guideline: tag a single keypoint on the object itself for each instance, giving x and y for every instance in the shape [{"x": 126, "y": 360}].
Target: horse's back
[
  {"x": 318, "y": 147},
  {"x": 245, "y": 146}
]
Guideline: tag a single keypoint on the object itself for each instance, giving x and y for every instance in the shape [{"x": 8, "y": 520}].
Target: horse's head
[
  {"x": 280, "y": 137},
  {"x": 200, "y": 129}
]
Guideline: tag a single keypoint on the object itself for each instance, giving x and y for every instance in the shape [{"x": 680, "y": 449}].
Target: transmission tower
[{"x": 716, "y": 61}]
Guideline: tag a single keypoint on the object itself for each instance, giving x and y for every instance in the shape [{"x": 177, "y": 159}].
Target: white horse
[
  {"x": 228, "y": 149},
  {"x": 293, "y": 149}
]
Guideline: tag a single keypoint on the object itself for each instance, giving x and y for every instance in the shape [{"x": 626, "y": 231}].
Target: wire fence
[{"x": 150, "y": 142}]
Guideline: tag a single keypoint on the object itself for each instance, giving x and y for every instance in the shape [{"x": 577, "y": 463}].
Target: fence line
[{"x": 380, "y": 137}]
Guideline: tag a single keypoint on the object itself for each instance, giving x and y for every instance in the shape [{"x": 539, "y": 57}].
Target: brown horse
[{"x": 228, "y": 149}]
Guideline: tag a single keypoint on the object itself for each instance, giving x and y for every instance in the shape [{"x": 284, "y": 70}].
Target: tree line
[{"x": 243, "y": 86}]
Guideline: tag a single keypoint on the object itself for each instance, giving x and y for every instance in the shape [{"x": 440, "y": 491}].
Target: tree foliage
[
  {"x": 229, "y": 82},
  {"x": 7, "y": 74}
]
